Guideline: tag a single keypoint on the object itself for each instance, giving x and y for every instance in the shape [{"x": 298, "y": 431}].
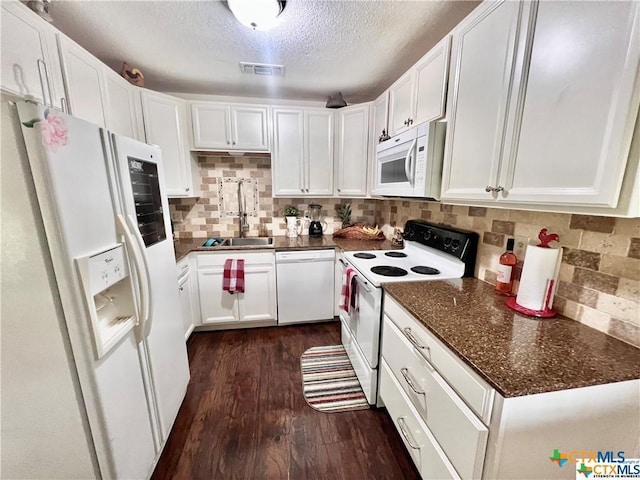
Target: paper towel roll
[{"x": 540, "y": 266}]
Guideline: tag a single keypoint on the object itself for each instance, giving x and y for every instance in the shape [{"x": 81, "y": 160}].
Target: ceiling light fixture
[{"x": 256, "y": 14}]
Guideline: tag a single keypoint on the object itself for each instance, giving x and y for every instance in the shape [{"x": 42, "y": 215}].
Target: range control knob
[
  {"x": 447, "y": 241},
  {"x": 409, "y": 233},
  {"x": 455, "y": 245},
  {"x": 427, "y": 235}
]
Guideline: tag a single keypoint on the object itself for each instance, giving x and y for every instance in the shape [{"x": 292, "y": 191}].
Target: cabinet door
[
  {"x": 431, "y": 74},
  {"x": 28, "y": 55},
  {"x": 259, "y": 300},
  {"x": 163, "y": 123},
  {"x": 401, "y": 95},
  {"x": 318, "y": 144},
  {"x": 119, "y": 109},
  {"x": 211, "y": 127},
  {"x": 288, "y": 152},
  {"x": 580, "y": 105},
  {"x": 84, "y": 82},
  {"x": 249, "y": 127},
  {"x": 379, "y": 116},
  {"x": 186, "y": 307},
  {"x": 353, "y": 151},
  {"x": 216, "y": 305},
  {"x": 483, "y": 54}
]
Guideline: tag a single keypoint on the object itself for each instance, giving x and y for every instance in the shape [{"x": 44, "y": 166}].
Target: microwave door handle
[{"x": 408, "y": 161}]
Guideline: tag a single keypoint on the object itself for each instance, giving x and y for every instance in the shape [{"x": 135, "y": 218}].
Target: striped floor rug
[{"x": 329, "y": 382}]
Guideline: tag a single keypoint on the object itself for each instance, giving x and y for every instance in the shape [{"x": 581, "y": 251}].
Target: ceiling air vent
[{"x": 261, "y": 69}]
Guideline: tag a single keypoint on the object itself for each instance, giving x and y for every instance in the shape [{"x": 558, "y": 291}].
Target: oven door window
[{"x": 367, "y": 330}]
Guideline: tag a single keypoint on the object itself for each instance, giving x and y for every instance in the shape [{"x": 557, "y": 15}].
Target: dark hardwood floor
[{"x": 244, "y": 416}]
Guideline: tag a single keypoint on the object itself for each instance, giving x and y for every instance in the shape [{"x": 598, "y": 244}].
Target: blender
[{"x": 316, "y": 226}]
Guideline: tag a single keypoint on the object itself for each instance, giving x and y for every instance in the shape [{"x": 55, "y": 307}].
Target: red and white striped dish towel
[
  {"x": 233, "y": 276},
  {"x": 345, "y": 291}
]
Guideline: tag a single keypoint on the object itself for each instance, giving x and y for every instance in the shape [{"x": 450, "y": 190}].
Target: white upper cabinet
[
  {"x": 318, "y": 148},
  {"x": 302, "y": 160},
  {"x": 83, "y": 75},
  {"x": 542, "y": 103},
  {"x": 30, "y": 64},
  {"x": 580, "y": 105},
  {"x": 223, "y": 126},
  {"x": 482, "y": 58},
  {"x": 119, "y": 106},
  {"x": 420, "y": 94},
  {"x": 165, "y": 123},
  {"x": 352, "y": 150}
]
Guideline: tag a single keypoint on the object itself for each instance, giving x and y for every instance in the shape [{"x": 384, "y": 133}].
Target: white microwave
[{"x": 410, "y": 164}]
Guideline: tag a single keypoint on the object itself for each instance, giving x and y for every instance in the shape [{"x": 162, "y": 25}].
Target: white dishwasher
[{"x": 305, "y": 285}]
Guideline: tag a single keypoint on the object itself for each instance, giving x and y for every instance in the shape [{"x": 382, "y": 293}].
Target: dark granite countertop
[
  {"x": 517, "y": 355},
  {"x": 184, "y": 246}
]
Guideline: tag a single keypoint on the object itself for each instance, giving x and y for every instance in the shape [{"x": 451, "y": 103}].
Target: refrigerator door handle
[
  {"x": 139, "y": 267},
  {"x": 146, "y": 291}
]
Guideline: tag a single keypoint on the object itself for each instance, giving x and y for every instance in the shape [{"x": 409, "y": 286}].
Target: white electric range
[{"x": 431, "y": 252}]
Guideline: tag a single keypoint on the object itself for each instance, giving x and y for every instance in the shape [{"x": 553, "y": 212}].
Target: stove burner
[
  {"x": 396, "y": 254},
  {"x": 425, "y": 270},
  {"x": 387, "y": 271},
  {"x": 366, "y": 256}
]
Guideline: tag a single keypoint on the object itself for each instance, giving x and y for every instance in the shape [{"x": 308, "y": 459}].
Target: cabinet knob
[
  {"x": 233, "y": 143},
  {"x": 228, "y": 142},
  {"x": 498, "y": 189},
  {"x": 302, "y": 190},
  {"x": 307, "y": 190},
  {"x": 186, "y": 189},
  {"x": 339, "y": 190},
  {"x": 181, "y": 289},
  {"x": 406, "y": 123},
  {"x": 411, "y": 121},
  {"x": 488, "y": 189}
]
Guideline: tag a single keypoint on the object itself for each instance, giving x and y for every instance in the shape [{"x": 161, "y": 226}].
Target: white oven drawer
[
  {"x": 428, "y": 457},
  {"x": 458, "y": 431},
  {"x": 475, "y": 392}
]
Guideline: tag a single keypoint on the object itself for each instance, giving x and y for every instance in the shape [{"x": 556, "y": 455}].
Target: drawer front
[
  {"x": 428, "y": 457},
  {"x": 182, "y": 267},
  {"x": 458, "y": 431},
  {"x": 476, "y": 393},
  {"x": 217, "y": 259}
]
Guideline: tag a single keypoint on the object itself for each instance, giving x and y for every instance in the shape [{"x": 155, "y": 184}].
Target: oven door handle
[
  {"x": 344, "y": 264},
  {"x": 363, "y": 283}
]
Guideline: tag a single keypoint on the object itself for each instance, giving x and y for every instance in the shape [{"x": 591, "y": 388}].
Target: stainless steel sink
[{"x": 249, "y": 242}]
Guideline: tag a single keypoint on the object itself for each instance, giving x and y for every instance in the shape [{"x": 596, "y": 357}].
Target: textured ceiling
[{"x": 356, "y": 47}]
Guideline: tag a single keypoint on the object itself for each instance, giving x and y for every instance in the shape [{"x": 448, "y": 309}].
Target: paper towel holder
[{"x": 546, "y": 311}]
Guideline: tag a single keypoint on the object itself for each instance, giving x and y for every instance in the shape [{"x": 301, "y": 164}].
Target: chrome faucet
[{"x": 242, "y": 209}]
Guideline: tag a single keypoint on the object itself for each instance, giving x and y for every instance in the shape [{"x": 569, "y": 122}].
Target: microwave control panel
[{"x": 421, "y": 165}]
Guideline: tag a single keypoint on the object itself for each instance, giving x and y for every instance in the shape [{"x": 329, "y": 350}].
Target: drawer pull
[
  {"x": 405, "y": 373},
  {"x": 416, "y": 344},
  {"x": 405, "y": 433}
]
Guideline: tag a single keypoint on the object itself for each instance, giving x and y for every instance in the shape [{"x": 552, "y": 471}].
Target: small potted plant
[
  {"x": 344, "y": 212},
  {"x": 291, "y": 211},
  {"x": 291, "y": 214}
]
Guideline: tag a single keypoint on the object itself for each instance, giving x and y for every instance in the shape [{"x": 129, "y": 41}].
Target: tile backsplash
[
  {"x": 599, "y": 282},
  {"x": 202, "y": 218}
]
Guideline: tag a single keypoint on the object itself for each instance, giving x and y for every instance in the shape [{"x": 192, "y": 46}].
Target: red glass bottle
[{"x": 508, "y": 260}]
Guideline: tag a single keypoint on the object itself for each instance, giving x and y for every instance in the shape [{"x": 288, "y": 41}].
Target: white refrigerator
[{"x": 98, "y": 275}]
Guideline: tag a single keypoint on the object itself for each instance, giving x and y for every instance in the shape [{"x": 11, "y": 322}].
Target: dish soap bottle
[{"x": 508, "y": 260}]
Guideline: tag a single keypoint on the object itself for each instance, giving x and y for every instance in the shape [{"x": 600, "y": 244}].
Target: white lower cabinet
[
  {"x": 429, "y": 458},
  {"x": 459, "y": 432},
  {"x": 455, "y": 425},
  {"x": 186, "y": 292},
  {"x": 257, "y": 305}
]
